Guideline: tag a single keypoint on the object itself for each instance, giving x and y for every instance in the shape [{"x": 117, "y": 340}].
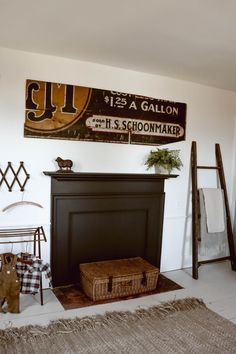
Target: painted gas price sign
[{"x": 61, "y": 111}]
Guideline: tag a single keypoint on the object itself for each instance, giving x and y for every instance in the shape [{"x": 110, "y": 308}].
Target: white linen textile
[{"x": 214, "y": 199}]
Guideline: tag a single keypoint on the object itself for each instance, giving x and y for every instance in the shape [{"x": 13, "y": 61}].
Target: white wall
[{"x": 210, "y": 119}]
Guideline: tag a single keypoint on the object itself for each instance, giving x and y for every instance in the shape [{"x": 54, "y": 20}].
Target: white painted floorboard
[{"x": 216, "y": 286}]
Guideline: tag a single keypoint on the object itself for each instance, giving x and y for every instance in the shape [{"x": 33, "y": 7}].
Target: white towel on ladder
[{"x": 214, "y": 199}]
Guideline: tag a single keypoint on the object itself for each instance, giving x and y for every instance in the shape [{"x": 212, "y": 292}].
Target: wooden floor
[{"x": 216, "y": 286}]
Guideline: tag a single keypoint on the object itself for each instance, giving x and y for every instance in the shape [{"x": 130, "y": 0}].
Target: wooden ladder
[{"x": 196, "y": 210}]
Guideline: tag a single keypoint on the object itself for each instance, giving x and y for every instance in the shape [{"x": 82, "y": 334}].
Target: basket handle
[
  {"x": 144, "y": 279},
  {"x": 109, "y": 285}
]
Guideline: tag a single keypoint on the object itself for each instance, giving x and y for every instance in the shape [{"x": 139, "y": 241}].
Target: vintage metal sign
[{"x": 60, "y": 111}]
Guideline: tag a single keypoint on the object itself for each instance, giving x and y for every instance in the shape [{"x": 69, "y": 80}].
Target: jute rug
[{"x": 177, "y": 327}]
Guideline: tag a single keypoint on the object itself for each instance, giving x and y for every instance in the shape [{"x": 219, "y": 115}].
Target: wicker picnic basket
[{"x": 117, "y": 278}]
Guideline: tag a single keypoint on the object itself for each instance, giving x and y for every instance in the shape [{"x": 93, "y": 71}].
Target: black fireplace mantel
[
  {"x": 66, "y": 176},
  {"x": 102, "y": 216}
]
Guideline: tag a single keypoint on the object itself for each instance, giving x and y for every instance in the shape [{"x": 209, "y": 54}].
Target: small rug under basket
[
  {"x": 177, "y": 327},
  {"x": 72, "y": 296}
]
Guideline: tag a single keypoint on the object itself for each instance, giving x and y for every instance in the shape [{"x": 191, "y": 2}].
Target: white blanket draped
[{"x": 214, "y": 199}]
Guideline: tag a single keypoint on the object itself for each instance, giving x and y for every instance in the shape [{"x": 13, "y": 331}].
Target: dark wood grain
[{"x": 104, "y": 216}]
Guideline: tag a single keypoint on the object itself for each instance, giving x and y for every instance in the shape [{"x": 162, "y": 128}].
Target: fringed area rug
[{"x": 177, "y": 327}]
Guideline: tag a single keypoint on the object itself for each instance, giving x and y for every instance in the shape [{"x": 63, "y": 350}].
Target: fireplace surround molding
[{"x": 104, "y": 216}]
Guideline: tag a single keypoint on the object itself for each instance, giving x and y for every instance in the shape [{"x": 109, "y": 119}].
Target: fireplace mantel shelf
[{"x": 66, "y": 176}]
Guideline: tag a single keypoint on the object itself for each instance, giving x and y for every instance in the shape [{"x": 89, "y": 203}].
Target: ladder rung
[
  {"x": 209, "y": 167},
  {"x": 214, "y": 260}
]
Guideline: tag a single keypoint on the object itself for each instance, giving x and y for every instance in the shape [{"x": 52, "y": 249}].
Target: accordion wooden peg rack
[{"x": 20, "y": 176}]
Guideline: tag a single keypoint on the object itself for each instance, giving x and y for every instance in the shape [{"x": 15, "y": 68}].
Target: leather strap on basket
[
  {"x": 144, "y": 279},
  {"x": 109, "y": 285}
]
